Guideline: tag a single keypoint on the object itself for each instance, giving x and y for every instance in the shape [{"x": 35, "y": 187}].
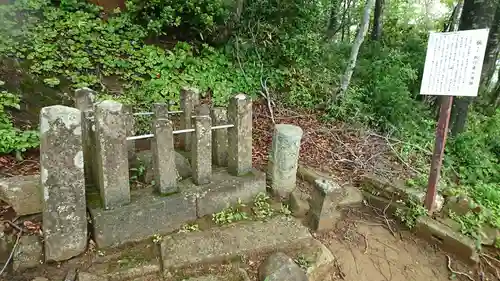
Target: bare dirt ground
[{"x": 367, "y": 251}]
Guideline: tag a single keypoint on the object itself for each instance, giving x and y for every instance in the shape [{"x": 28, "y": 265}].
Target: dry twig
[
  {"x": 486, "y": 257},
  {"x": 366, "y": 242},
  {"x": 387, "y": 220},
  {"x": 457, "y": 272}
]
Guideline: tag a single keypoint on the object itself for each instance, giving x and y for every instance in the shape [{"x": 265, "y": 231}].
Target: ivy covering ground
[{"x": 274, "y": 46}]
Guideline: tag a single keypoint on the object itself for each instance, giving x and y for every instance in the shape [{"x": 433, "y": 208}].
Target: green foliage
[
  {"x": 484, "y": 209},
  {"x": 262, "y": 207},
  {"x": 410, "y": 213},
  {"x": 72, "y": 46},
  {"x": 231, "y": 214},
  {"x": 189, "y": 228},
  {"x": 12, "y": 139},
  {"x": 475, "y": 154},
  {"x": 198, "y": 16},
  {"x": 303, "y": 262}
]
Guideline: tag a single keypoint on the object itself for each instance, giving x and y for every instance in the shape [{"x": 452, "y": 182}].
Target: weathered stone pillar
[
  {"x": 112, "y": 153},
  {"x": 239, "y": 137},
  {"x": 130, "y": 124},
  {"x": 62, "y": 180},
  {"x": 84, "y": 101},
  {"x": 283, "y": 159},
  {"x": 85, "y": 98},
  {"x": 189, "y": 100},
  {"x": 89, "y": 143},
  {"x": 164, "y": 157},
  {"x": 160, "y": 110},
  {"x": 219, "y": 136},
  {"x": 201, "y": 152},
  {"x": 326, "y": 196}
]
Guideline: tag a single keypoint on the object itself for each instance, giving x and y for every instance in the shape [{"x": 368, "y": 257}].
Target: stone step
[{"x": 232, "y": 241}]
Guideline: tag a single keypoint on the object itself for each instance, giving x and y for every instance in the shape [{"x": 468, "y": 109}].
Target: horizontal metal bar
[
  {"x": 141, "y": 137},
  {"x": 183, "y": 131},
  {"x": 222, "y": 126},
  {"x": 148, "y": 136},
  {"x": 152, "y": 113}
]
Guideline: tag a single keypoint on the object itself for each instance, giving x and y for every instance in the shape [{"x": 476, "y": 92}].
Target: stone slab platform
[
  {"x": 150, "y": 214},
  {"x": 232, "y": 241},
  {"x": 449, "y": 240}
]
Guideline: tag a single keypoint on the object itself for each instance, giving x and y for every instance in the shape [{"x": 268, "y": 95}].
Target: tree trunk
[
  {"x": 334, "y": 21},
  {"x": 363, "y": 28},
  {"x": 496, "y": 93},
  {"x": 476, "y": 14},
  {"x": 491, "y": 55},
  {"x": 378, "y": 19}
]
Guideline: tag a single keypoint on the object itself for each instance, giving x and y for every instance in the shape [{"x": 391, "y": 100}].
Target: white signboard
[{"x": 453, "y": 63}]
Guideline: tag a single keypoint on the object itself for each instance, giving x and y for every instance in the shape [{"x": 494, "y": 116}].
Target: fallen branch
[
  {"x": 386, "y": 220},
  {"x": 366, "y": 242},
  {"x": 457, "y": 272},
  {"x": 267, "y": 96}
]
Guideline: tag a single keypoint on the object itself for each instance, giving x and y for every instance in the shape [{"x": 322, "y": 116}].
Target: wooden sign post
[{"x": 453, "y": 65}]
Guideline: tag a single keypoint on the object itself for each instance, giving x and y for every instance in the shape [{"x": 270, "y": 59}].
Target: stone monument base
[{"x": 151, "y": 214}]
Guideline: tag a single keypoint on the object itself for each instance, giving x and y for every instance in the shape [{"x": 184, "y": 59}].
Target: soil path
[{"x": 367, "y": 251}]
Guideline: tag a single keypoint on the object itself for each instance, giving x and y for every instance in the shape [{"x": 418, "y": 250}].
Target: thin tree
[
  {"x": 378, "y": 16},
  {"x": 475, "y": 15},
  {"x": 492, "y": 51},
  {"x": 362, "y": 30},
  {"x": 334, "y": 21}
]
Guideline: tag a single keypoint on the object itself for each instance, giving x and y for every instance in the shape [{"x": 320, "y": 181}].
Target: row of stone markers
[{"x": 90, "y": 144}]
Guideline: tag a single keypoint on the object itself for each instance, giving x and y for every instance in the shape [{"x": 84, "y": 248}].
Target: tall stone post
[
  {"x": 239, "y": 137},
  {"x": 130, "y": 124},
  {"x": 89, "y": 145},
  {"x": 219, "y": 137},
  {"x": 62, "y": 180},
  {"x": 283, "y": 159},
  {"x": 165, "y": 171},
  {"x": 112, "y": 153},
  {"x": 84, "y": 101},
  {"x": 189, "y": 100},
  {"x": 160, "y": 111},
  {"x": 325, "y": 198},
  {"x": 201, "y": 152}
]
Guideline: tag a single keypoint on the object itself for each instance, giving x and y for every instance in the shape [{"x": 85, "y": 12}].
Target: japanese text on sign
[{"x": 453, "y": 63}]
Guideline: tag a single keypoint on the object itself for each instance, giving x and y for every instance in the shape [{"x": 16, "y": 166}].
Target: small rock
[
  {"x": 40, "y": 279},
  {"x": 84, "y": 276},
  {"x": 23, "y": 193},
  {"x": 280, "y": 267},
  {"x": 353, "y": 197},
  {"x": 322, "y": 263},
  {"x": 327, "y": 186},
  {"x": 28, "y": 253},
  {"x": 420, "y": 196},
  {"x": 489, "y": 235},
  {"x": 459, "y": 205},
  {"x": 298, "y": 204}
]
